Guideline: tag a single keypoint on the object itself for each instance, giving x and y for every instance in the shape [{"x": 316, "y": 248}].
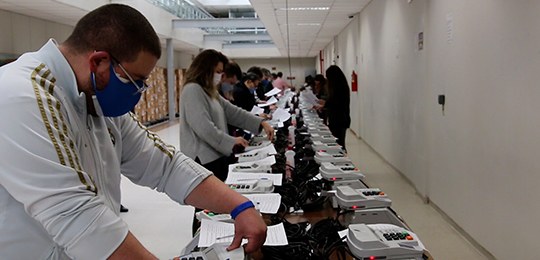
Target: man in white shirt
[{"x": 68, "y": 135}]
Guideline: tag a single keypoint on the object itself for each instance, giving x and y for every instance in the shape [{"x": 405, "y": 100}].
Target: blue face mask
[
  {"x": 226, "y": 87},
  {"x": 117, "y": 98}
]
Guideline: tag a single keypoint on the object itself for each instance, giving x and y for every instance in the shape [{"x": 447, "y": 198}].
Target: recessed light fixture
[
  {"x": 308, "y": 24},
  {"x": 305, "y": 9}
]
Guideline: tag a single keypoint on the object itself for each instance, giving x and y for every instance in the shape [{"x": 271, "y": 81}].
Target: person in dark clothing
[
  {"x": 319, "y": 86},
  {"x": 243, "y": 91},
  {"x": 337, "y": 103},
  {"x": 259, "y": 88},
  {"x": 319, "y": 89},
  {"x": 232, "y": 74},
  {"x": 266, "y": 82}
]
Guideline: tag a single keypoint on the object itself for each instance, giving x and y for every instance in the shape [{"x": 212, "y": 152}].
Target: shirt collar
[{"x": 55, "y": 61}]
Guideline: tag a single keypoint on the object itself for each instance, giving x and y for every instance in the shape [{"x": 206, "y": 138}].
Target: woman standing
[
  {"x": 204, "y": 116},
  {"x": 337, "y": 103}
]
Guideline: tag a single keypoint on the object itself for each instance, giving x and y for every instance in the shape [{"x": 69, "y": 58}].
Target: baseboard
[
  {"x": 462, "y": 232},
  {"x": 426, "y": 200}
]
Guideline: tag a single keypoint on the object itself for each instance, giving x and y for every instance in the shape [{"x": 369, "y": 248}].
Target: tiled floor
[{"x": 164, "y": 227}]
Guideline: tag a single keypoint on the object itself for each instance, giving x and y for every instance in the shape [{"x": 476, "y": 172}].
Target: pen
[
  {"x": 223, "y": 237},
  {"x": 252, "y": 179}
]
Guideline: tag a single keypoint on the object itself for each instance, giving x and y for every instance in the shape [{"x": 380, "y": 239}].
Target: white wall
[
  {"x": 380, "y": 45},
  {"x": 484, "y": 169},
  {"x": 20, "y": 33},
  {"x": 300, "y": 67},
  {"x": 477, "y": 162}
]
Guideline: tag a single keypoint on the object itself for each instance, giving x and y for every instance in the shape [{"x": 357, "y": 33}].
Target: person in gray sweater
[{"x": 204, "y": 116}]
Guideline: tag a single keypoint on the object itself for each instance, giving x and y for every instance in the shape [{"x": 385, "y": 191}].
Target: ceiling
[
  {"x": 57, "y": 11},
  {"x": 307, "y": 31}
]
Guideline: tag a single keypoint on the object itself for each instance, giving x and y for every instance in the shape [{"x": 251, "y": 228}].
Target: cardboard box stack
[
  {"x": 154, "y": 104},
  {"x": 179, "y": 80}
]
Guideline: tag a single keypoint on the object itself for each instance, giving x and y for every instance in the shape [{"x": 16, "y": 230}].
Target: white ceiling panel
[
  {"x": 305, "y": 40},
  {"x": 316, "y": 29}
]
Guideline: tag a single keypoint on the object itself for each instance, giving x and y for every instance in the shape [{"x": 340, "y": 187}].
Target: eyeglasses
[{"x": 139, "y": 84}]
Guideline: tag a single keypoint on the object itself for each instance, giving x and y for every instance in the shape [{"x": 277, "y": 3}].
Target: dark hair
[
  {"x": 274, "y": 75},
  {"x": 320, "y": 77},
  {"x": 309, "y": 80},
  {"x": 256, "y": 70},
  {"x": 279, "y": 74},
  {"x": 251, "y": 76},
  {"x": 118, "y": 29},
  {"x": 266, "y": 72},
  {"x": 232, "y": 69},
  {"x": 201, "y": 70},
  {"x": 337, "y": 82}
]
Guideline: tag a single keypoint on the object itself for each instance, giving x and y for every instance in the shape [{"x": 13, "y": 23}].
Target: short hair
[
  {"x": 251, "y": 76},
  {"x": 201, "y": 70},
  {"x": 321, "y": 79},
  {"x": 266, "y": 72},
  {"x": 279, "y": 74},
  {"x": 118, "y": 29},
  {"x": 256, "y": 70},
  {"x": 232, "y": 69}
]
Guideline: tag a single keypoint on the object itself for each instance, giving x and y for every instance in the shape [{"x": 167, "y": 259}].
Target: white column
[{"x": 170, "y": 78}]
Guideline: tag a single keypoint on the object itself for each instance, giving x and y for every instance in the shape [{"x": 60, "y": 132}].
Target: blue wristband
[{"x": 240, "y": 208}]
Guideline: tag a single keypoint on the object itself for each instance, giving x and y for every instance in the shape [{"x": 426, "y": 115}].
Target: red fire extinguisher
[{"x": 354, "y": 81}]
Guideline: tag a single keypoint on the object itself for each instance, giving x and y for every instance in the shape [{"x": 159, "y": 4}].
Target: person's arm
[
  {"x": 241, "y": 118},
  {"x": 43, "y": 173},
  {"x": 198, "y": 117},
  {"x": 148, "y": 161},
  {"x": 131, "y": 248},
  {"x": 215, "y": 195}
]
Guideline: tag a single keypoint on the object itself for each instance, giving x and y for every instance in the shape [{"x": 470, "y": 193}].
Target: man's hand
[
  {"x": 268, "y": 129},
  {"x": 250, "y": 225}
]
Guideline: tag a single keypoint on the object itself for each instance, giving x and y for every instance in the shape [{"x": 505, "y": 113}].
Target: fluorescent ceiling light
[
  {"x": 308, "y": 24},
  {"x": 305, "y": 9},
  {"x": 224, "y": 2}
]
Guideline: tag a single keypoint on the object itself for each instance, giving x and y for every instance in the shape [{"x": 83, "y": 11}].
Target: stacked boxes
[
  {"x": 179, "y": 78},
  {"x": 154, "y": 104}
]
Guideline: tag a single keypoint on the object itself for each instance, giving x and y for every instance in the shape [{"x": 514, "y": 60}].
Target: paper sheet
[
  {"x": 271, "y": 101},
  {"x": 309, "y": 97},
  {"x": 272, "y": 92},
  {"x": 267, "y": 203},
  {"x": 257, "y": 110},
  {"x": 343, "y": 233},
  {"x": 221, "y": 232},
  {"x": 316, "y": 177},
  {"x": 266, "y": 161},
  {"x": 236, "y": 177},
  {"x": 269, "y": 149},
  {"x": 256, "y": 154},
  {"x": 281, "y": 115}
]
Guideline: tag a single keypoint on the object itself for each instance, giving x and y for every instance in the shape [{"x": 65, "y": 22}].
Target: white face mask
[{"x": 217, "y": 78}]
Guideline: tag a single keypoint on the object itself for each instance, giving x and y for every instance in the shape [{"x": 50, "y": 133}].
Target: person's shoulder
[
  {"x": 17, "y": 78},
  {"x": 192, "y": 89},
  {"x": 192, "y": 85}
]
